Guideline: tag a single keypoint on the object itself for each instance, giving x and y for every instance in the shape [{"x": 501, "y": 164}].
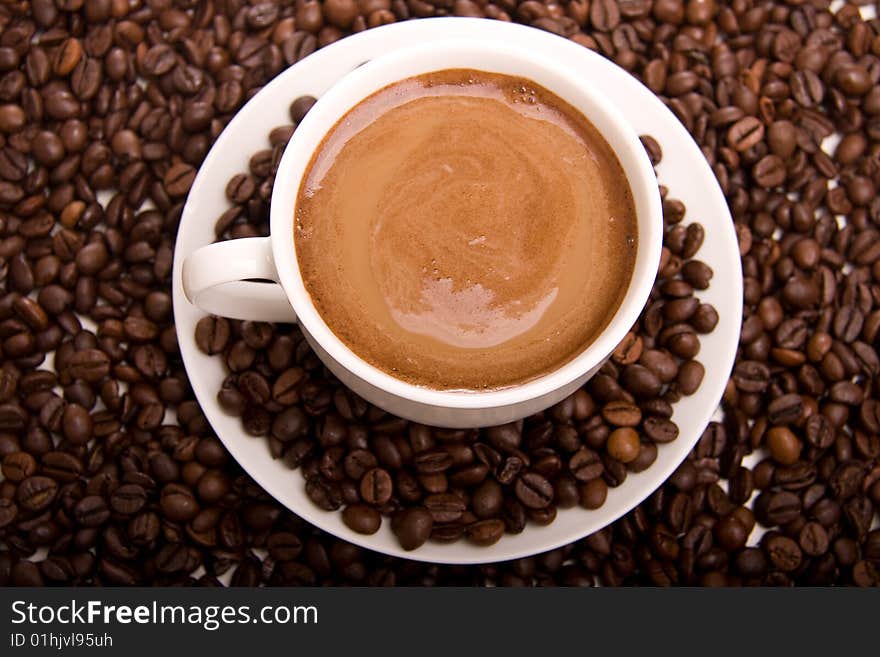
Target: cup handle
[{"x": 216, "y": 278}]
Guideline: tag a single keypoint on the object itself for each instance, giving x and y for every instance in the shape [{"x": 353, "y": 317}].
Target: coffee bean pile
[
  {"x": 449, "y": 484},
  {"x": 99, "y": 488}
]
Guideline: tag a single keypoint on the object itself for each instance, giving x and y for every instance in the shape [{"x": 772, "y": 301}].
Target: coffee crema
[{"x": 464, "y": 230}]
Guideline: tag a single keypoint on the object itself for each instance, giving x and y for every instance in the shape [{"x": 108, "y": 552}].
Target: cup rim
[{"x": 308, "y": 137}]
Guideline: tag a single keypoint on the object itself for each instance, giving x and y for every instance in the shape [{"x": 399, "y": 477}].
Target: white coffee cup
[{"x": 218, "y": 277}]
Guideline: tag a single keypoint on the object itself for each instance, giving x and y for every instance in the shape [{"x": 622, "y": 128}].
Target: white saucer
[{"x": 683, "y": 170}]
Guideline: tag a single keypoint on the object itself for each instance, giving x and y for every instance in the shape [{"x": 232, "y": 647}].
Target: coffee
[
  {"x": 135, "y": 548},
  {"x": 465, "y": 230}
]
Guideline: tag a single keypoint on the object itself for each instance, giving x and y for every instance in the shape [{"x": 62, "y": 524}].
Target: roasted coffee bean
[
  {"x": 745, "y": 133},
  {"x": 178, "y": 179},
  {"x": 300, "y": 107},
  {"x": 128, "y": 499},
  {"x": 751, "y": 376},
  {"x": 432, "y": 461},
  {"x": 593, "y": 493},
  {"x": 444, "y": 507},
  {"x": 813, "y": 539},
  {"x": 622, "y": 414},
  {"x": 387, "y": 452},
  {"x": 777, "y": 508},
  {"x": 178, "y": 502},
  {"x": 585, "y": 465},
  {"x": 786, "y": 409},
  {"x": 284, "y": 546},
  {"x": 90, "y": 365},
  {"x": 846, "y": 480},
  {"x": 358, "y": 462},
  {"x": 487, "y": 500},
  {"x": 91, "y": 511},
  {"x": 730, "y": 533},
  {"x": 641, "y": 381},
  {"x": 783, "y": 553},
  {"x": 504, "y": 438},
  {"x": 661, "y": 363},
  {"x": 679, "y": 512},
  {"x": 690, "y": 376},
  {"x": 784, "y": 445},
  {"x": 362, "y": 518},
  {"x": 660, "y": 430},
  {"x": 629, "y": 350},
  {"x": 376, "y": 486},
  {"x": 485, "y": 532},
  {"x": 533, "y": 490},
  {"x": 36, "y": 493},
  {"x": 326, "y": 495},
  {"x": 212, "y": 334},
  {"x": 646, "y": 457},
  {"x": 61, "y": 466},
  {"x": 769, "y": 172},
  {"x": 412, "y": 527},
  {"x": 18, "y": 466},
  {"x": 819, "y": 431},
  {"x": 77, "y": 425},
  {"x": 623, "y": 444},
  {"x": 12, "y": 417}
]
